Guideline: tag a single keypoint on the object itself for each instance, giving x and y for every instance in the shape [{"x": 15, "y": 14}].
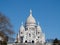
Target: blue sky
[{"x": 47, "y": 12}]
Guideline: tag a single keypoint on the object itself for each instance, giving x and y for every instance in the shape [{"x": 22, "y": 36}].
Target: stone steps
[{"x": 24, "y": 44}]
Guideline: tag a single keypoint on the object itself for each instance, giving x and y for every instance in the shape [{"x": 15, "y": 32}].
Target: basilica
[{"x": 30, "y": 32}]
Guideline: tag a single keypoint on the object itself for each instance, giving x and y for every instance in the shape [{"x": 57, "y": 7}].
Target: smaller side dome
[
  {"x": 38, "y": 27},
  {"x": 22, "y": 28}
]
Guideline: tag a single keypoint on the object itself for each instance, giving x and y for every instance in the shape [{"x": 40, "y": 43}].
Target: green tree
[
  {"x": 6, "y": 31},
  {"x": 56, "y": 42}
]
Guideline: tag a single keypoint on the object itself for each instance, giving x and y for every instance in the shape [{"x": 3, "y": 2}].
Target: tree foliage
[
  {"x": 6, "y": 31},
  {"x": 56, "y": 42}
]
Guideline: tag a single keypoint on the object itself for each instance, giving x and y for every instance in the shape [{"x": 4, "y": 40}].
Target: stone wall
[
  {"x": 30, "y": 44},
  {"x": 25, "y": 44}
]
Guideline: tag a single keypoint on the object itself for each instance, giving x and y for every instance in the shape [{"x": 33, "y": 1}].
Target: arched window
[
  {"x": 29, "y": 35},
  {"x": 38, "y": 37},
  {"x": 32, "y": 41},
  {"x": 26, "y": 29},
  {"x": 38, "y": 32},
  {"x": 21, "y": 32},
  {"x": 26, "y": 41}
]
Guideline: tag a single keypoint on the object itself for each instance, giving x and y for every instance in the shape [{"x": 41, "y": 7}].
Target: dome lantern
[{"x": 30, "y": 12}]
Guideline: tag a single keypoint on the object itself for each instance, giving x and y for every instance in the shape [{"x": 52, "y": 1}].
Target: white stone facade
[{"x": 30, "y": 32}]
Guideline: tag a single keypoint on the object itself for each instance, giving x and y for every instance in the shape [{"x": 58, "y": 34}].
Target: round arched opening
[
  {"x": 26, "y": 41},
  {"x": 32, "y": 41}
]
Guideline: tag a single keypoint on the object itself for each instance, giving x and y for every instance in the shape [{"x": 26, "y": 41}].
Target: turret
[
  {"x": 39, "y": 28},
  {"x": 22, "y": 29},
  {"x": 17, "y": 38}
]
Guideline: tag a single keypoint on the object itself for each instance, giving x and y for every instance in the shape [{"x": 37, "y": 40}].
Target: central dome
[{"x": 30, "y": 19}]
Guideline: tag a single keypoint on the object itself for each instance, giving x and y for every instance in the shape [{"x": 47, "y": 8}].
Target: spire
[
  {"x": 30, "y": 12},
  {"x": 17, "y": 38},
  {"x": 38, "y": 23},
  {"x": 22, "y": 23}
]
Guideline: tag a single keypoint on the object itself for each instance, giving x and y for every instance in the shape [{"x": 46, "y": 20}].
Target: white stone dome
[
  {"x": 30, "y": 19},
  {"x": 39, "y": 28},
  {"x": 22, "y": 28}
]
